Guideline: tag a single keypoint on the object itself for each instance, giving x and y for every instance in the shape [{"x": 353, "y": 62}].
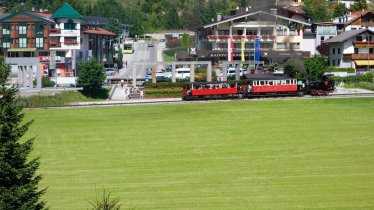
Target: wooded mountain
[{"x": 143, "y": 15}]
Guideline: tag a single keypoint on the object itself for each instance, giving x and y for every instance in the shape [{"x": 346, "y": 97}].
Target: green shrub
[
  {"x": 334, "y": 69},
  {"x": 163, "y": 85},
  {"x": 355, "y": 79},
  {"x": 46, "y": 82},
  {"x": 60, "y": 99},
  {"x": 173, "y": 91}
]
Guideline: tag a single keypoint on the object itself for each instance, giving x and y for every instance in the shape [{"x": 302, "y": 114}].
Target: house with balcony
[
  {"x": 280, "y": 31},
  {"x": 352, "y": 49},
  {"x": 30, "y": 39},
  {"x": 24, "y": 36}
]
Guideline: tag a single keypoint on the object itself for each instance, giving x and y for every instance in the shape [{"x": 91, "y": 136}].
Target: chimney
[{"x": 219, "y": 17}]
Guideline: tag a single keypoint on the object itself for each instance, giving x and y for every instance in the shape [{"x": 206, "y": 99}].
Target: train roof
[{"x": 251, "y": 77}]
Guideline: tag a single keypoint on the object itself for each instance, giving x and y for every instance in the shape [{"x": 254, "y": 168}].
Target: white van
[
  {"x": 182, "y": 73},
  {"x": 231, "y": 71}
]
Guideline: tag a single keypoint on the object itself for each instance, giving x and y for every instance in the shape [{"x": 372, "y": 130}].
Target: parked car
[
  {"x": 150, "y": 44},
  {"x": 109, "y": 72},
  {"x": 162, "y": 40}
]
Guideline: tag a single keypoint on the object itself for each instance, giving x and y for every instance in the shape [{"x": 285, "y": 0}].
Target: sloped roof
[
  {"x": 345, "y": 36},
  {"x": 359, "y": 14},
  {"x": 99, "y": 31},
  {"x": 31, "y": 14},
  {"x": 66, "y": 11}
]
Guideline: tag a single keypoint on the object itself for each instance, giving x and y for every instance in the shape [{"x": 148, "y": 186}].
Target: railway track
[{"x": 180, "y": 101}]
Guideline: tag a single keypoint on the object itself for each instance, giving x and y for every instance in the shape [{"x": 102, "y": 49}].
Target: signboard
[
  {"x": 326, "y": 30},
  {"x": 192, "y": 50}
]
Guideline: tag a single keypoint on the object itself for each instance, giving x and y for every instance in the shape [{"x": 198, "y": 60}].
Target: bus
[{"x": 128, "y": 47}]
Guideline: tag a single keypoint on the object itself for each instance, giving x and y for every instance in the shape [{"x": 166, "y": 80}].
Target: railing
[
  {"x": 363, "y": 44},
  {"x": 57, "y": 44},
  {"x": 214, "y": 37},
  {"x": 72, "y": 41},
  {"x": 362, "y": 56},
  {"x": 55, "y": 31}
]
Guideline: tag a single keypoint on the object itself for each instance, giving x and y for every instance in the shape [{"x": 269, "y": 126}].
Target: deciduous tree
[
  {"x": 315, "y": 67},
  {"x": 91, "y": 76},
  {"x": 18, "y": 179}
]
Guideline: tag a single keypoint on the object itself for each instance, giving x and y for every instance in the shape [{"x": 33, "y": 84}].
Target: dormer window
[{"x": 70, "y": 25}]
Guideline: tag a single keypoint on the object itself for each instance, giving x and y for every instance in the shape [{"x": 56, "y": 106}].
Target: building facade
[
  {"x": 280, "y": 31},
  {"x": 39, "y": 44}
]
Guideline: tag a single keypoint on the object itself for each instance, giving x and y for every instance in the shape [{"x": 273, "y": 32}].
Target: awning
[
  {"x": 364, "y": 62},
  {"x": 22, "y": 50}
]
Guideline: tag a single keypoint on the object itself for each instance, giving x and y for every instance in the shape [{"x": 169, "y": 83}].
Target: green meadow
[{"x": 267, "y": 154}]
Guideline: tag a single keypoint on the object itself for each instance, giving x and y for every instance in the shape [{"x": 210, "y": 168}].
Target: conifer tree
[{"x": 18, "y": 181}]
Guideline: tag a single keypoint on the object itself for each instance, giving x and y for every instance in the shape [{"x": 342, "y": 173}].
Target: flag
[
  {"x": 230, "y": 53},
  {"x": 243, "y": 48},
  {"x": 257, "y": 49}
]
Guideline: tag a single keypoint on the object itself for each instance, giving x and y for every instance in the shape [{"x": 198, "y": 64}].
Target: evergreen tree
[{"x": 18, "y": 181}]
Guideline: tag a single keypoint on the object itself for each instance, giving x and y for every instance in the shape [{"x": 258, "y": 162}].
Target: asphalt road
[{"x": 142, "y": 59}]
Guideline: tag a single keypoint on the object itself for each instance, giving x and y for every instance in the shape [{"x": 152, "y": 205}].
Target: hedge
[
  {"x": 160, "y": 85},
  {"x": 354, "y": 79},
  {"x": 335, "y": 69}
]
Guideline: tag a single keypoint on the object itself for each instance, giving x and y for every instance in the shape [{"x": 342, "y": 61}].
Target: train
[{"x": 259, "y": 86}]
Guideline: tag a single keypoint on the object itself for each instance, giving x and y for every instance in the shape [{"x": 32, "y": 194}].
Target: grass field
[{"x": 273, "y": 154}]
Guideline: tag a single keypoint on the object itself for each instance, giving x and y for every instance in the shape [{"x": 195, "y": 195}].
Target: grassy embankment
[{"x": 271, "y": 154}]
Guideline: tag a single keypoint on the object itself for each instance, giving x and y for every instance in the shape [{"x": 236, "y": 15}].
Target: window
[
  {"x": 22, "y": 30},
  {"x": 338, "y": 50},
  {"x": 6, "y": 43},
  {"x": 322, "y": 38},
  {"x": 44, "y": 53},
  {"x": 356, "y": 50},
  {"x": 281, "y": 32},
  {"x": 39, "y": 42},
  {"x": 70, "y": 25},
  {"x": 281, "y": 45},
  {"x": 371, "y": 50},
  {"x": 60, "y": 53},
  {"x": 333, "y": 51},
  {"x": 295, "y": 45},
  {"x": 22, "y": 42},
  {"x": 6, "y": 29}
]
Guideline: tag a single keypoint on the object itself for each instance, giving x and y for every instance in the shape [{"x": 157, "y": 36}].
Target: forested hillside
[{"x": 143, "y": 15}]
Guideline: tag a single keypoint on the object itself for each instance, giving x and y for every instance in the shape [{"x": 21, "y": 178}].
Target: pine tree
[{"x": 18, "y": 182}]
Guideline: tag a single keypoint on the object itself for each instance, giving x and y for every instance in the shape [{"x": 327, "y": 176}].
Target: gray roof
[{"x": 345, "y": 35}]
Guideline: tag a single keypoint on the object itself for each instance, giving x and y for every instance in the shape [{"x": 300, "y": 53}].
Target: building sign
[
  {"x": 70, "y": 32},
  {"x": 48, "y": 58},
  {"x": 326, "y": 30},
  {"x": 192, "y": 50}
]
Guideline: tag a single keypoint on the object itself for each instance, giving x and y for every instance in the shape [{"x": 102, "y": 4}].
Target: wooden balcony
[
  {"x": 363, "y": 56},
  {"x": 239, "y": 37},
  {"x": 363, "y": 44},
  {"x": 55, "y": 44},
  {"x": 368, "y": 24},
  {"x": 70, "y": 41},
  {"x": 54, "y": 31}
]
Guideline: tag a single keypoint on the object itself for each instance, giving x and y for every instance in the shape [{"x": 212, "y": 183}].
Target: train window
[
  {"x": 294, "y": 81},
  {"x": 279, "y": 82},
  {"x": 270, "y": 82},
  {"x": 288, "y": 82},
  {"x": 262, "y": 82},
  {"x": 254, "y": 83}
]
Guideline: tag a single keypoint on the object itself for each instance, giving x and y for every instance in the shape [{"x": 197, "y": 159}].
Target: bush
[
  {"x": 174, "y": 91},
  {"x": 163, "y": 85},
  {"x": 46, "y": 82},
  {"x": 335, "y": 69},
  {"x": 355, "y": 79}
]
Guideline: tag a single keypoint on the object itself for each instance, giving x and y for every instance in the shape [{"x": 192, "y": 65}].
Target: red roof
[
  {"x": 359, "y": 13},
  {"x": 99, "y": 31}
]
